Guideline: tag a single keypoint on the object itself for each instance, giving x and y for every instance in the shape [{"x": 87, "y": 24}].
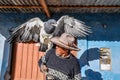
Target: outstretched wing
[
  {"x": 71, "y": 26},
  {"x": 29, "y": 31}
]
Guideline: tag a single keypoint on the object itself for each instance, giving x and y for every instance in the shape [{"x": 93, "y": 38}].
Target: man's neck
[
  {"x": 61, "y": 54},
  {"x": 65, "y": 55}
]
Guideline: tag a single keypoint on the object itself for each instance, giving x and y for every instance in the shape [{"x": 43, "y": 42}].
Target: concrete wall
[{"x": 89, "y": 54}]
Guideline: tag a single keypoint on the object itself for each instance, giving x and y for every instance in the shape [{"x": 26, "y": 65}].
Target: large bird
[{"x": 38, "y": 31}]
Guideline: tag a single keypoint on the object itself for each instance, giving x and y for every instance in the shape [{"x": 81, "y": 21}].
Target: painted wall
[
  {"x": 89, "y": 54},
  {"x": 101, "y": 37},
  {"x": 2, "y": 41}
]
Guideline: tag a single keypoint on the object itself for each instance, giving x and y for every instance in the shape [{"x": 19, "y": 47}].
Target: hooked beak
[{"x": 54, "y": 24}]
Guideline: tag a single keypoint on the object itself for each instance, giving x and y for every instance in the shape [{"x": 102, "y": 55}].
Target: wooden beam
[
  {"x": 45, "y": 7},
  {"x": 90, "y": 6}
]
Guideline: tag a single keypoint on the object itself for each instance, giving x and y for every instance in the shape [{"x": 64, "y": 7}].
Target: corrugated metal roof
[
  {"x": 86, "y": 10},
  {"x": 68, "y": 3},
  {"x": 83, "y": 2},
  {"x": 19, "y": 2}
]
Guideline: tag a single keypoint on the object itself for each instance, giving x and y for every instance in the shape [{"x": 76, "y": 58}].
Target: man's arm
[
  {"x": 77, "y": 76},
  {"x": 77, "y": 73},
  {"x": 42, "y": 62}
]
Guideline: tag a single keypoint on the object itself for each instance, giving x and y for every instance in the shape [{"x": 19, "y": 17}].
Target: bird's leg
[{"x": 50, "y": 45}]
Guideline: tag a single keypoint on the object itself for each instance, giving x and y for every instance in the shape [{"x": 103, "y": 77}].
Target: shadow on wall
[
  {"x": 89, "y": 55},
  {"x": 92, "y": 75}
]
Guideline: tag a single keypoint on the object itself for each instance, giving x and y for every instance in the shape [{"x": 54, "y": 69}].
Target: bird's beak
[{"x": 54, "y": 24}]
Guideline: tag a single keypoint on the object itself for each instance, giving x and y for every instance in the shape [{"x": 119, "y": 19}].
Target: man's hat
[{"x": 66, "y": 41}]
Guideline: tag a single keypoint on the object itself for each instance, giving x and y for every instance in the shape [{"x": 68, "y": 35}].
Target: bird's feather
[
  {"x": 71, "y": 26},
  {"x": 34, "y": 30},
  {"x": 29, "y": 31}
]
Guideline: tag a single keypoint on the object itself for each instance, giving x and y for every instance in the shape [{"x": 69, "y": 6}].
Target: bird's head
[
  {"x": 50, "y": 26},
  {"x": 52, "y": 21}
]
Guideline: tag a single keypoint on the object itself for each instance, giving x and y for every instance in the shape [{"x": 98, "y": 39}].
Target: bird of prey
[{"x": 38, "y": 31}]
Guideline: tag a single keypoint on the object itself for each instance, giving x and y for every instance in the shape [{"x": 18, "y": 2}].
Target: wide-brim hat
[{"x": 66, "y": 41}]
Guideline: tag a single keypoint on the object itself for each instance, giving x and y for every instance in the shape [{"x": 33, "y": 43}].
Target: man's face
[{"x": 61, "y": 50}]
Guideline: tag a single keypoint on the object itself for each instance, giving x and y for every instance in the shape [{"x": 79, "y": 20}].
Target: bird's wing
[
  {"x": 72, "y": 26},
  {"x": 28, "y": 31}
]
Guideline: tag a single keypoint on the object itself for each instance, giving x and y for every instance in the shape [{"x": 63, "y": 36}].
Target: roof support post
[{"x": 45, "y": 7}]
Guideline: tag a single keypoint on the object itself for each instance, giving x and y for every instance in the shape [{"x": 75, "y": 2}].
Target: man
[{"x": 59, "y": 63}]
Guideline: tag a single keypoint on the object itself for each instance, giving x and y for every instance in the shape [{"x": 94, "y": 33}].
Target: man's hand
[{"x": 44, "y": 68}]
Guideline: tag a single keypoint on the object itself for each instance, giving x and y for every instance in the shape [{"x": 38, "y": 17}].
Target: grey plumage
[
  {"x": 49, "y": 29},
  {"x": 71, "y": 26},
  {"x": 26, "y": 32},
  {"x": 33, "y": 30},
  {"x": 38, "y": 31}
]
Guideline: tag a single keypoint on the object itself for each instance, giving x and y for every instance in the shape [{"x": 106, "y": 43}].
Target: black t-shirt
[{"x": 62, "y": 68}]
